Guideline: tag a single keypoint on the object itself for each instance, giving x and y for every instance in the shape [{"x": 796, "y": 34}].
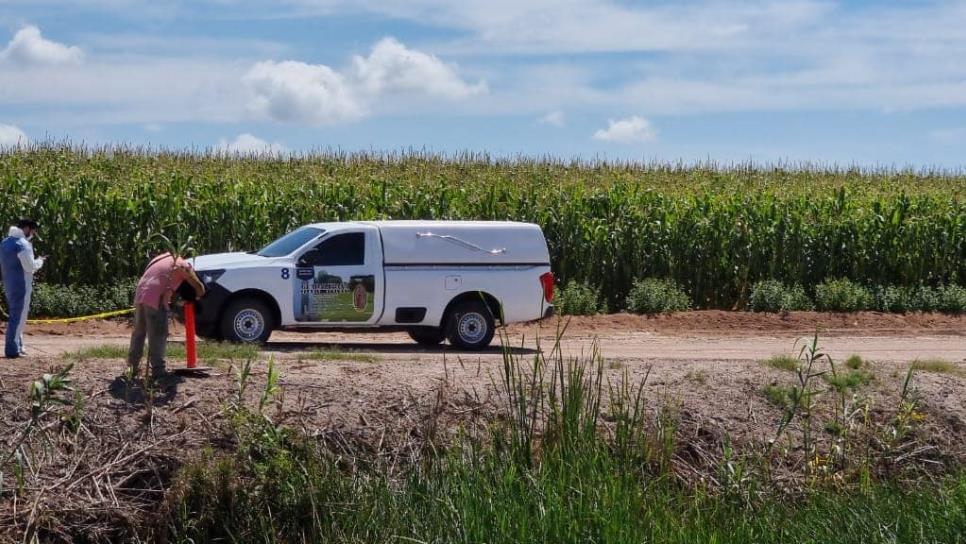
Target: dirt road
[{"x": 694, "y": 336}]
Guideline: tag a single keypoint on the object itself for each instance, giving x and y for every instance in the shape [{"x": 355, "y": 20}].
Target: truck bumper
[{"x": 208, "y": 309}]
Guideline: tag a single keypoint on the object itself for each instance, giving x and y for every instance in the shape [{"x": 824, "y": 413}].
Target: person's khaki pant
[{"x": 152, "y": 324}]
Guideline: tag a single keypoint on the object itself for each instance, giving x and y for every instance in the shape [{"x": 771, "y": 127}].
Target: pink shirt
[{"x": 162, "y": 278}]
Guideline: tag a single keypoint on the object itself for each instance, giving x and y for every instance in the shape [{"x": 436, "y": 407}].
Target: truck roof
[
  {"x": 422, "y": 223},
  {"x": 457, "y": 242}
]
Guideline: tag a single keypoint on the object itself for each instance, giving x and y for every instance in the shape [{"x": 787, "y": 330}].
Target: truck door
[{"x": 339, "y": 280}]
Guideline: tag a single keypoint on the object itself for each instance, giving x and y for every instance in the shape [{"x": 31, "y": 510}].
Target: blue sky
[{"x": 867, "y": 83}]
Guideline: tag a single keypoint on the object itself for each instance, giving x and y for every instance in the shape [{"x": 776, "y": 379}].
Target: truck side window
[{"x": 340, "y": 250}]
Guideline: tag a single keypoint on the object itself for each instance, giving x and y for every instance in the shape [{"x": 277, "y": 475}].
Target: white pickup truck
[{"x": 437, "y": 280}]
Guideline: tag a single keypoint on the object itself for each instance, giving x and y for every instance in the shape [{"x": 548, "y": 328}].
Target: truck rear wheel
[
  {"x": 470, "y": 325},
  {"x": 427, "y": 336},
  {"x": 247, "y": 320}
]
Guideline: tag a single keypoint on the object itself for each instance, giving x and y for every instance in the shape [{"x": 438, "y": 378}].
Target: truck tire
[
  {"x": 247, "y": 320},
  {"x": 427, "y": 336},
  {"x": 470, "y": 325}
]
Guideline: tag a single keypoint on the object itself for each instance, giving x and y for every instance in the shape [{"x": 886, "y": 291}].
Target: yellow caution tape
[
  {"x": 80, "y": 318},
  {"x": 73, "y": 319}
]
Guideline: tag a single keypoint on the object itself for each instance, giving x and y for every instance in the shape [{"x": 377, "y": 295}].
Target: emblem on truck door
[{"x": 333, "y": 298}]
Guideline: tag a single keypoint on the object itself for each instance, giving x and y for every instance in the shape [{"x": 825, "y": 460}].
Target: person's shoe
[{"x": 163, "y": 380}]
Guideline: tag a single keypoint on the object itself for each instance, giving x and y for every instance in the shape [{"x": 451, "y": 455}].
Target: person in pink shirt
[{"x": 163, "y": 276}]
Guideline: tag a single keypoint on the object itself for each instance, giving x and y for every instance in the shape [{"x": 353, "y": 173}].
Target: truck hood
[{"x": 218, "y": 261}]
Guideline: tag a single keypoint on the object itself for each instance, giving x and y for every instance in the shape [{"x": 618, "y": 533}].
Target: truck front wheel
[
  {"x": 427, "y": 336},
  {"x": 247, "y": 320},
  {"x": 470, "y": 326}
]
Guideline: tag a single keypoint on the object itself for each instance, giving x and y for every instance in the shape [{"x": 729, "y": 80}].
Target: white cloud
[
  {"x": 11, "y": 136},
  {"x": 297, "y": 92},
  {"x": 554, "y": 118},
  {"x": 581, "y": 26},
  {"x": 28, "y": 46},
  {"x": 126, "y": 89},
  {"x": 393, "y": 67},
  {"x": 634, "y": 129},
  {"x": 763, "y": 55},
  {"x": 247, "y": 144}
]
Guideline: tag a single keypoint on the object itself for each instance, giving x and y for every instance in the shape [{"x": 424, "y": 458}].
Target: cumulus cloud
[
  {"x": 11, "y": 136},
  {"x": 393, "y": 67},
  {"x": 28, "y": 47},
  {"x": 292, "y": 91},
  {"x": 298, "y": 92},
  {"x": 634, "y": 129},
  {"x": 248, "y": 144},
  {"x": 554, "y": 118}
]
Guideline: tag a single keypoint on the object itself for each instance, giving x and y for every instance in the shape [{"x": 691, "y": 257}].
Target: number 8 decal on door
[{"x": 285, "y": 274}]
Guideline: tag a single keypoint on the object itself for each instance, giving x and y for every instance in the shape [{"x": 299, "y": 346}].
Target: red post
[{"x": 189, "y": 335}]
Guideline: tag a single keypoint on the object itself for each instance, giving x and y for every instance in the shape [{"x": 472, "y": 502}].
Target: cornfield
[{"x": 714, "y": 230}]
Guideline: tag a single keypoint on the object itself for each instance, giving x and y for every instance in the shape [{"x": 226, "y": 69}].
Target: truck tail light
[{"x": 546, "y": 280}]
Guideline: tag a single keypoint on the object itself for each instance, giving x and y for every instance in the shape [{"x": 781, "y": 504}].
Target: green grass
[
  {"x": 106, "y": 351},
  {"x": 938, "y": 366},
  {"x": 780, "y": 395},
  {"x": 174, "y": 351},
  {"x": 214, "y": 351},
  {"x": 298, "y": 494},
  {"x": 851, "y": 380},
  {"x": 337, "y": 355},
  {"x": 781, "y": 362}
]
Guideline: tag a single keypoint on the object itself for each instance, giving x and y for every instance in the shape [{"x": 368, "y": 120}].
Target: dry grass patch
[{"x": 938, "y": 366}]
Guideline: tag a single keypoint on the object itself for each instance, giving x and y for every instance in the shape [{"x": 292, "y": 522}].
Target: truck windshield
[{"x": 290, "y": 242}]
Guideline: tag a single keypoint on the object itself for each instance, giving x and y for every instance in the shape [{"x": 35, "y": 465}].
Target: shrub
[
  {"x": 852, "y": 380},
  {"x": 51, "y": 300},
  {"x": 892, "y": 299},
  {"x": 948, "y": 298},
  {"x": 774, "y": 296},
  {"x": 952, "y": 299},
  {"x": 655, "y": 296},
  {"x": 924, "y": 299},
  {"x": 842, "y": 295},
  {"x": 854, "y": 362},
  {"x": 782, "y": 362},
  {"x": 578, "y": 299},
  {"x": 783, "y": 397}
]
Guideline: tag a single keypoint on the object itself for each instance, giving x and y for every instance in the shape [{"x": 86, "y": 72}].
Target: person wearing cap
[
  {"x": 164, "y": 275},
  {"x": 18, "y": 264}
]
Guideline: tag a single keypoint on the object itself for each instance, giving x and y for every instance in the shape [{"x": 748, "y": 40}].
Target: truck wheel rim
[
  {"x": 472, "y": 328},
  {"x": 249, "y": 325}
]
